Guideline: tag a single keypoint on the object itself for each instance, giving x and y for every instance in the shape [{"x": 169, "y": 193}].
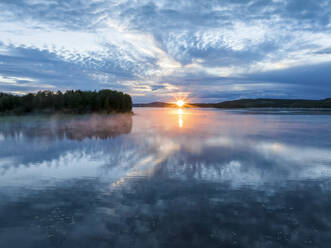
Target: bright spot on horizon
[{"x": 180, "y": 103}]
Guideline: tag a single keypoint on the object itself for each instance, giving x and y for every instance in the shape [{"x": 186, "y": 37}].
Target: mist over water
[{"x": 166, "y": 178}]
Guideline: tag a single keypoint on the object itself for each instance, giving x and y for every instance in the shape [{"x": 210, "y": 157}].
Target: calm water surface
[{"x": 166, "y": 178}]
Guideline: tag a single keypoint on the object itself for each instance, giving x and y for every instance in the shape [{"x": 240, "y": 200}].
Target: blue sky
[{"x": 207, "y": 51}]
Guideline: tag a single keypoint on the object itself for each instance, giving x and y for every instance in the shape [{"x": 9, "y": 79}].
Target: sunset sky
[{"x": 208, "y": 51}]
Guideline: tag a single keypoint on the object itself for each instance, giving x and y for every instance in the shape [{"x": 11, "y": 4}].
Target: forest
[{"x": 71, "y": 101}]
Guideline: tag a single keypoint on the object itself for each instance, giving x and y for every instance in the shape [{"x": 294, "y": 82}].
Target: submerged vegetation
[{"x": 69, "y": 102}]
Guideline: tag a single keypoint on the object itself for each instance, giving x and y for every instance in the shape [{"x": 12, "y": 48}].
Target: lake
[{"x": 166, "y": 178}]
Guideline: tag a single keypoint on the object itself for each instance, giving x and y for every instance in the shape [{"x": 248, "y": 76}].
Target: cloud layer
[{"x": 208, "y": 51}]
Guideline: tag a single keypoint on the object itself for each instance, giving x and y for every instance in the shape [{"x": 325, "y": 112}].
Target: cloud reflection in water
[{"x": 222, "y": 178}]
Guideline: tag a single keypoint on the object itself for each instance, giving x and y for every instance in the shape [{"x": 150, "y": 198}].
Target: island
[
  {"x": 250, "y": 103},
  {"x": 71, "y": 101}
]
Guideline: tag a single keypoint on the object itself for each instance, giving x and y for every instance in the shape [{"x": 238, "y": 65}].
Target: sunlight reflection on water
[{"x": 190, "y": 176}]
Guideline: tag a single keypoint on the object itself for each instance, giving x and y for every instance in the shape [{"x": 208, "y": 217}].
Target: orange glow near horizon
[{"x": 180, "y": 103}]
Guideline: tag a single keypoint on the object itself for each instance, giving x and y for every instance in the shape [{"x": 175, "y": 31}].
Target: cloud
[
  {"x": 306, "y": 80},
  {"x": 235, "y": 47},
  {"x": 324, "y": 51}
]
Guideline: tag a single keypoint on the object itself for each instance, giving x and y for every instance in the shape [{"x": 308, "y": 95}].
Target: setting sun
[{"x": 180, "y": 103}]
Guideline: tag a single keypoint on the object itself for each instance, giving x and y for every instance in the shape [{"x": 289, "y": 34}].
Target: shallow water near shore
[{"x": 166, "y": 178}]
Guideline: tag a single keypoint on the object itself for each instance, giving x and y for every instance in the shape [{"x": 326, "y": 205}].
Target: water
[{"x": 166, "y": 178}]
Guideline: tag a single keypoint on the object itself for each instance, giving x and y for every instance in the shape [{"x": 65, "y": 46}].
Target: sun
[{"x": 180, "y": 103}]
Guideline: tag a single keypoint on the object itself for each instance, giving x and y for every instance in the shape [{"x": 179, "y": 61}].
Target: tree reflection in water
[
  {"x": 222, "y": 179},
  {"x": 66, "y": 126}
]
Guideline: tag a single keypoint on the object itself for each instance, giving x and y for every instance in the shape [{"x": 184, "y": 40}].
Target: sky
[{"x": 201, "y": 50}]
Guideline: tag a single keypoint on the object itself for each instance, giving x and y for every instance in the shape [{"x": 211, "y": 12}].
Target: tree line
[{"x": 71, "y": 101}]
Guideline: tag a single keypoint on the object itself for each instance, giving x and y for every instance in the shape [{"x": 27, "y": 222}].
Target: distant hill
[
  {"x": 155, "y": 104},
  {"x": 251, "y": 103}
]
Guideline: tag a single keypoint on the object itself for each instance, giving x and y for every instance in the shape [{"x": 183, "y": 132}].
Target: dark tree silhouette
[{"x": 70, "y": 101}]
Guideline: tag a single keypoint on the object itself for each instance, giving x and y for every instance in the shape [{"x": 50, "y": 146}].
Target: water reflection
[
  {"x": 66, "y": 126},
  {"x": 215, "y": 179},
  {"x": 180, "y": 118}
]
